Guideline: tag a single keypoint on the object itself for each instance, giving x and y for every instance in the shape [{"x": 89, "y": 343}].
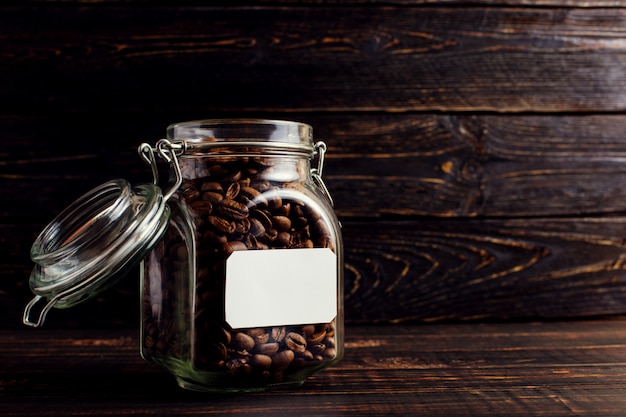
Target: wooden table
[{"x": 513, "y": 369}]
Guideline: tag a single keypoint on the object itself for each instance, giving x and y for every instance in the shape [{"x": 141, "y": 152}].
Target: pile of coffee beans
[{"x": 234, "y": 204}]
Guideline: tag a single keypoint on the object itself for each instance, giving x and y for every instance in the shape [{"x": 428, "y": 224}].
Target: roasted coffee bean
[
  {"x": 231, "y": 209},
  {"x": 283, "y": 239},
  {"x": 330, "y": 353},
  {"x": 261, "y": 361},
  {"x": 256, "y": 227},
  {"x": 242, "y": 342},
  {"x": 233, "y": 246},
  {"x": 259, "y": 335},
  {"x": 274, "y": 201},
  {"x": 222, "y": 224},
  {"x": 239, "y": 365},
  {"x": 264, "y": 217},
  {"x": 281, "y": 223},
  {"x": 242, "y": 227},
  {"x": 295, "y": 342},
  {"x": 244, "y": 182},
  {"x": 278, "y": 334},
  {"x": 252, "y": 196},
  {"x": 307, "y": 354},
  {"x": 212, "y": 197},
  {"x": 316, "y": 337},
  {"x": 317, "y": 348},
  {"x": 267, "y": 348},
  {"x": 283, "y": 210},
  {"x": 213, "y": 186},
  {"x": 308, "y": 330},
  {"x": 282, "y": 359},
  {"x": 299, "y": 239},
  {"x": 201, "y": 208},
  {"x": 234, "y": 176},
  {"x": 261, "y": 185},
  {"x": 233, "y": 191},
  {"x": 270, "y": 235}
]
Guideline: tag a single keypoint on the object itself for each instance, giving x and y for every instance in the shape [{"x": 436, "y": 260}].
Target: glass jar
[{"x": 242, "y": 288}]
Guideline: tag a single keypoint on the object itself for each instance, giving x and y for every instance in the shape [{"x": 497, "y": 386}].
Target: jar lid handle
[{"x": 42, "y": 313}]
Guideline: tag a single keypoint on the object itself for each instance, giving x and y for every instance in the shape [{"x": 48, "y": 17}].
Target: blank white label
[{"x": 281, "y": 287}]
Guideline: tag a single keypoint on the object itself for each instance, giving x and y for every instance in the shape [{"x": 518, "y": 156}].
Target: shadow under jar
[{"x": 244, "y": 291}]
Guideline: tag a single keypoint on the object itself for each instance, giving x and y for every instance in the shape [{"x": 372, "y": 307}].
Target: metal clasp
[
  {"x": 168, "y": 152},
  {"x": 316, "y": 173}
]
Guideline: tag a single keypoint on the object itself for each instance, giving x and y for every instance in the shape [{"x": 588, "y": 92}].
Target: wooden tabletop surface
[{"x": 512, "y": 369}]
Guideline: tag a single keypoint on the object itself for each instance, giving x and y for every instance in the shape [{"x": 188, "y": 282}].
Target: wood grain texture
[
  {"x": 560, "y": 368},
  {"x": 484, "y": 269},
  {"x": 419, "y": 270},
  {"x": 250, "y": 3},
  {"x": 446, "y": 217},
  {"x": 312, "y": 59},
  {"x": 476, "y": 149},
  {"x": 378, "y": 166}
]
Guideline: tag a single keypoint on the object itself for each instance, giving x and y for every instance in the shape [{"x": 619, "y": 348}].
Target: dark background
[{"x": 476, "y": 149}]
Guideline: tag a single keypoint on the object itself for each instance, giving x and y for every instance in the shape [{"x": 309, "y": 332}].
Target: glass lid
[{"x": 94, "y": 241}]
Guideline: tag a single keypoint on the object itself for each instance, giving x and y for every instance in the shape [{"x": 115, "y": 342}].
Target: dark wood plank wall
[{"x": 477, "y": 154}]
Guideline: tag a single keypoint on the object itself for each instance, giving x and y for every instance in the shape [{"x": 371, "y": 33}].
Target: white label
[{"x": 281, "y": 287}]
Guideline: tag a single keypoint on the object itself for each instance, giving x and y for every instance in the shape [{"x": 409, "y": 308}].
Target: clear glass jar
[
  {"x": 242, "y": 270},
  {"x": 244, "y": 290}
]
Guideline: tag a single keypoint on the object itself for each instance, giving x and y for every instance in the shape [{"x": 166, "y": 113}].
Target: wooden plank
[
  {"x": 483, "y": 165},
  {"x": 377, "y": 166},
  {"x": 421, "y": 270},
  {"x": 312, "y": 58},
  {"x": 517, "y": 3},
  {"x": 484, "y": 269},
  {"x": 517, "y": 369}
]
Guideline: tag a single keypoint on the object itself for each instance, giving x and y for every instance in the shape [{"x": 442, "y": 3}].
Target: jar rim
[
  {"x": 241, "y": 121},
  {"x": 241, "y": 130}
]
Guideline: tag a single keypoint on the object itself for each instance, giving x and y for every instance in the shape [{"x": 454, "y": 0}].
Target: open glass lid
[{"x": 94, "y": 241}]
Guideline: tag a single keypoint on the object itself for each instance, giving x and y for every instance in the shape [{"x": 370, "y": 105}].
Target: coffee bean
[
  {"x": 260, "y": 335},
  {"x": 261, "y": 361},
  {"x": 295, "y": 342},
  {"x": 267, "y": 348},
  {"x": 232, "y": 209},
  {"x": 316, "y": 337},
  {"x": 212, "y": 197},
  {"x": 278, "y": 333},
  {"x": 282, "y": 359},
  {"x": 256, "y": 227},
  {"x": 330, "y": 353},
  {"x": 212, "y": 186},
  {"x": 242, "y": 342},
  {"x": 252, "y": 196},
  {"x": 233, "y": 191},
  {"x": 222, "y": 225},
  {"x": 281, "y": 223},
  {"x": 201, "y": 208}
]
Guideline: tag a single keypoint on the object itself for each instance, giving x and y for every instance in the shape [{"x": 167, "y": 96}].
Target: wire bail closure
[
  {"x": 130, "y": 221},
  {"x": 316, "y": 173},
  {"x": 167, "y": 151}
]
